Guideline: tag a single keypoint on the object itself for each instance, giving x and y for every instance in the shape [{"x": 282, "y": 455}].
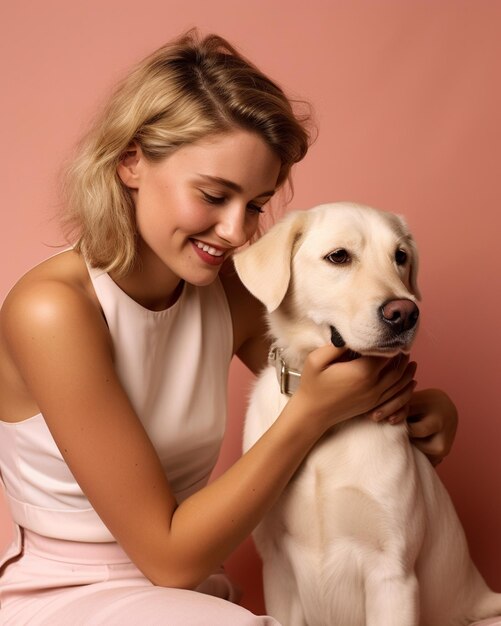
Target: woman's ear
[{"x": 127, "y": 169}]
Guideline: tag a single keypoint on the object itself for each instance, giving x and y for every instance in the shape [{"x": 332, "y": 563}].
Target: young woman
[{"x": 114, "y": 358}]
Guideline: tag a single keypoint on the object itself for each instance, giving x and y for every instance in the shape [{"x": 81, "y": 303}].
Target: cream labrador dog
[{"x": 365, "y": 534}]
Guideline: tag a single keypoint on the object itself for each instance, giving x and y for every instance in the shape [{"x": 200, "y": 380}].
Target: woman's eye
[
  {"x": 400, "y": 257},
  {"x": 213, "y": 199},
  {"x": 339, "y": 257},
  {"x": 255, "y": 208}
]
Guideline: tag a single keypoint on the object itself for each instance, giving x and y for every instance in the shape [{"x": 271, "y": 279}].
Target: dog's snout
[{"x": 400, "y": 315}]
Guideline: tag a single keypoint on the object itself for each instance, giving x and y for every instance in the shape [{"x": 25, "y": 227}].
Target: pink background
[{"x": 408, "y": 99}]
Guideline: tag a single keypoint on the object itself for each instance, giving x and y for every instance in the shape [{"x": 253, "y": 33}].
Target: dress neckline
[{"x": 96, "y": 273}]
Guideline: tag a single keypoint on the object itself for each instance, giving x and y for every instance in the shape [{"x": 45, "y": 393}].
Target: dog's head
[{"x": 340, "y": 271}]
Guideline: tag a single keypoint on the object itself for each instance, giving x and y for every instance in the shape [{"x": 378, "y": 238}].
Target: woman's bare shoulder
[
  {"x": 51, "y": 313},
  {"x": 51, "y": 285},
  {"x": 67, "y": 267},
  {"x": 53, "y": 298}
]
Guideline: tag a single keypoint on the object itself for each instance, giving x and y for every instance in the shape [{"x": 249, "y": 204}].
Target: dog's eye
[
  {"x": 339, "y": 256},
  {"x": 400, "y": 257}
]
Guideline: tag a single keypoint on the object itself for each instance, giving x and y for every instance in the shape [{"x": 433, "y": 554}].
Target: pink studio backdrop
[{"x": 407, "y": 97}]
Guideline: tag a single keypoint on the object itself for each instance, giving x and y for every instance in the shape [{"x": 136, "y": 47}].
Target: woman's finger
[
  {"x": 391, "y": 387},
  {"x": 398, "y": 404},
  {"x": 395, "y": 366},
  {"x": 433, "y": 447},
  {"x": 322, "y": 357},
  {"x": 423, "y": 427},
  {"x": 399, "y": 416}
]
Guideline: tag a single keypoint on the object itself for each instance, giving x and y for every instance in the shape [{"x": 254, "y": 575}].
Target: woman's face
[{"x": 195, "y": 207}]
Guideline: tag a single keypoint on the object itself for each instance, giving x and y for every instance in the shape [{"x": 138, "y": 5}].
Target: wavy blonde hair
[{"x": 188, "y": 89}]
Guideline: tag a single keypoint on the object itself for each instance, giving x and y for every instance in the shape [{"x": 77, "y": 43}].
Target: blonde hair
[{"x": 188, "y": 89}]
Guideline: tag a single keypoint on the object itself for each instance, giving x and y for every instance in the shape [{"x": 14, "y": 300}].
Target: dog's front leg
[
  {"x": 282, "y": 597},
  {"x": 391, "y": 599}
]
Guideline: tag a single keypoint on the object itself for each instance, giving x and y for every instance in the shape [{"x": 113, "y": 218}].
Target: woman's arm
[{"x": 59, "y": 343}]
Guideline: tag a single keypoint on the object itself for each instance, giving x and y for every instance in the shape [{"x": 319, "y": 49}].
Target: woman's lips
[{"x": 209, "y": 254}]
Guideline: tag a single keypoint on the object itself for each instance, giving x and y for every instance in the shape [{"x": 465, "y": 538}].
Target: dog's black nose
[{"x": 400, "y": 315}]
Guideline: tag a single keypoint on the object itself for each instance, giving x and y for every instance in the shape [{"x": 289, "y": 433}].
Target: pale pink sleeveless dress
[{"x": 64, "y": 567}]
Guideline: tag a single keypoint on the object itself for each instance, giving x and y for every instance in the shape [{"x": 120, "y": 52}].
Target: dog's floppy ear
[{"x": 265, "y": 266}]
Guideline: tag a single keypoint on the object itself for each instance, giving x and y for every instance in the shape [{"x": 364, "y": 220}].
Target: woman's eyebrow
[{"x": 231, "y": 185}]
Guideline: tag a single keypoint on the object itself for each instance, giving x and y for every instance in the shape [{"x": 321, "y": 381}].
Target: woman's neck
[{"x": 151, "y": 283}]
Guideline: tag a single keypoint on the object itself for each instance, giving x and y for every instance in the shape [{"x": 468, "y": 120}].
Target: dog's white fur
[{"x": 365, "y": 534}]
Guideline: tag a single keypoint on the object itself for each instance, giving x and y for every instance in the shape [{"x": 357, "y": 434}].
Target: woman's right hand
[{"x": 332, "y": 390}]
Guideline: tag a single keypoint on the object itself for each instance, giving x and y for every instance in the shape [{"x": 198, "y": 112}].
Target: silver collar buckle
[{"x": 288, "y": 379}]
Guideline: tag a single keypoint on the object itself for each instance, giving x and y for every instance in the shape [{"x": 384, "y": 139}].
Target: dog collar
[{"x": 288, "y": 379}]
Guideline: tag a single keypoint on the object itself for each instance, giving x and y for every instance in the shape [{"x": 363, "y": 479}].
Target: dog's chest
[
  {"x": 359, "y": 469},
  {"x": 360, "y": 479}
]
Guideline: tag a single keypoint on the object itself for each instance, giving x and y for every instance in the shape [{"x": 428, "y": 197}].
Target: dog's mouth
[
  {"x": 397, "y": 321},
  {"x": 390, "y": 348},
  {"x": 387, "y": 348},
  {"x": 336, "y": 338},
  {"x": 338, "y": 341}
]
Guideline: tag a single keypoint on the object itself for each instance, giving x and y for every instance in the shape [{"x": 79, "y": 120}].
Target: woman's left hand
[
  {"x": 432, "y": 423},
  {"x": 431, "y": 420}
]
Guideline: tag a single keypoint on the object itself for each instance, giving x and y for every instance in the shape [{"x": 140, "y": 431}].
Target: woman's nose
[{"x": 232, "y": 226}]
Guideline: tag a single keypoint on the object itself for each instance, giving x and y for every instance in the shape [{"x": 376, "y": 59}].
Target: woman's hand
[
  {"x": 431, "y": 419},
  {"x": 432, "y": 423},
  {"x": 333, "y": 390}
]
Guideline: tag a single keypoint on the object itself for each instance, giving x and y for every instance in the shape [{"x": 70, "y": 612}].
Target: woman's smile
[{"x": 209, "y": 253}]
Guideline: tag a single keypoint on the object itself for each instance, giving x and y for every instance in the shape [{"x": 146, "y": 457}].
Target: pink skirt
[{"x": 50, "y": 582}]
